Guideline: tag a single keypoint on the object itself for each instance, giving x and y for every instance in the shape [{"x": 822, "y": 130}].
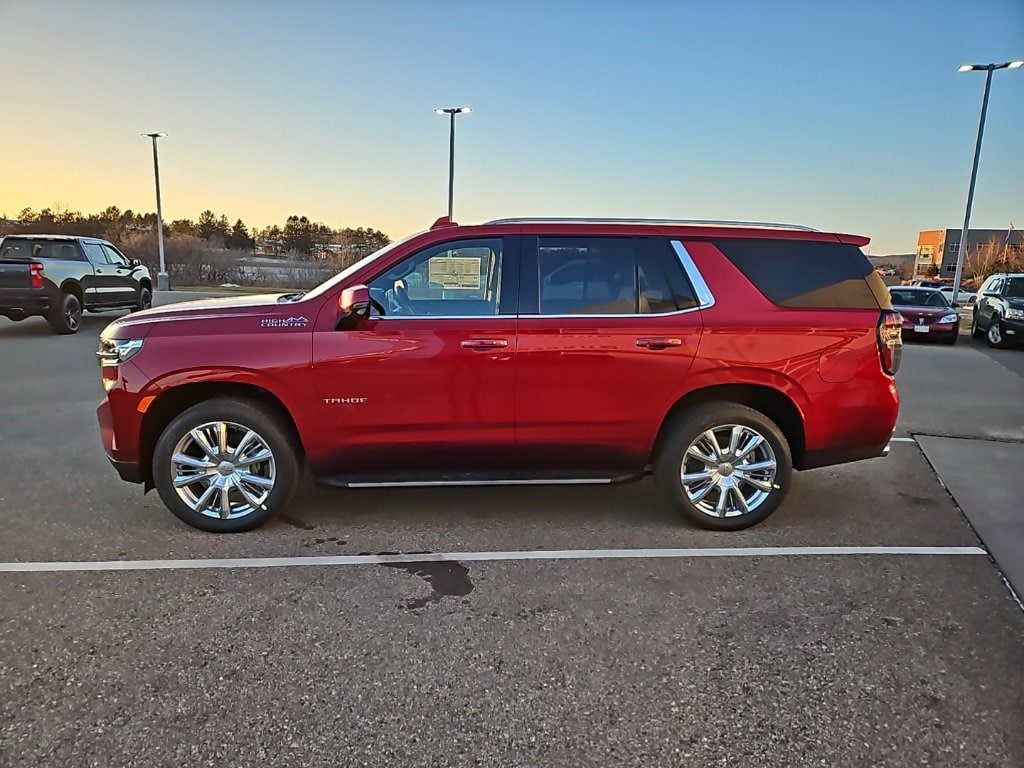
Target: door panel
[
  {"x": 124, "y": 288},
  {"x": 98, "y": 285},
  {"x": 591, "y": 388},
  {"x": 424, "y": 387}
]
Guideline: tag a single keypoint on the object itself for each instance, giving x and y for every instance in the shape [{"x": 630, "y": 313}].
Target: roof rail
[{"x": 690, "y": 222}]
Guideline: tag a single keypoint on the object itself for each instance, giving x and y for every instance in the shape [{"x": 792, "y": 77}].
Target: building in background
[{"x": 937, "y": 250}]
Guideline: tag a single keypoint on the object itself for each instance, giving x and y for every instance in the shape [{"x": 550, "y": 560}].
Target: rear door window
[
  {"x": 807, "y": 274},
  {"x": 610, "y": 276}
]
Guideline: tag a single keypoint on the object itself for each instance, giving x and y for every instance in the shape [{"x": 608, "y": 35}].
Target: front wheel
[
  {"x": 724, "y": 466},
  {"x": 995, "y": 336},
  {"x": 145, "y": 300},
  {"x": 225, "y": 466},
  {"x": 951, "y": 339}
]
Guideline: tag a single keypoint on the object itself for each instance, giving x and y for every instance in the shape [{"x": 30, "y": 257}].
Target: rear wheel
[
  {"x": 225, "y": 466},
  {"x": 66, "y": 317},
  {"x": 724, "y": 466},
  {"x": 976, "y": 332}
]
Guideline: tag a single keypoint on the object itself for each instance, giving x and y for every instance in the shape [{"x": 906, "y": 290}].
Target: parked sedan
[{"x": 926, "y": 313}]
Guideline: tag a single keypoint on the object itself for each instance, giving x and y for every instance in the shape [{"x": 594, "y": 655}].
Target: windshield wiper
[{"x": 288, "y": 298}]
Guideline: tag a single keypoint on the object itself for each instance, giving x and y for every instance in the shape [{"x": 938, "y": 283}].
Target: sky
[{"x": 844, "y": 116}]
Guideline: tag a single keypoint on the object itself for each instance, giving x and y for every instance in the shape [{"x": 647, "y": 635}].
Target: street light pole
[
  {"x": 451, "y": 112},
  {"x": 988, "y": 69},
  {"x": 162, "y": 281}
]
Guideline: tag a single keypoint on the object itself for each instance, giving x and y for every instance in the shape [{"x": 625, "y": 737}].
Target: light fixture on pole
[
  {"x": 162, "y": 282},
  {"x": 988, "y": 69},
  {"x": 451, "y": 112}
]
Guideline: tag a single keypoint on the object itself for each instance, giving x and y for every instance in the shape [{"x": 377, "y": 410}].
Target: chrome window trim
[{"x": 705, "y": 298}]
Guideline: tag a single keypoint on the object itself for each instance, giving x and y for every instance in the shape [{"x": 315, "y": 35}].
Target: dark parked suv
[
  {"x": 718, "y": 357},
  {"x": 999, "y": 310}
]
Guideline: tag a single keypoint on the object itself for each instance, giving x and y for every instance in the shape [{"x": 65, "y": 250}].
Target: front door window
[{"x": 460, "y": 279}]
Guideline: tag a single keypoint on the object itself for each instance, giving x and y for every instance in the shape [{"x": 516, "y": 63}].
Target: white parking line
[
  {"x": 563, "y": 554},
  {"x": 902, "y": 440}
]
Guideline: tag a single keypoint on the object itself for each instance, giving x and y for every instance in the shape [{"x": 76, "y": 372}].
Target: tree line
[{"x": 299, "y": 237}]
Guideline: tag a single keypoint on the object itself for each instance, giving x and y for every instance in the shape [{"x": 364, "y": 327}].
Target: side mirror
[
  {"x": 353, "y": 305},
  {"x": 992, "y": 294},
  {"x": 955, "y": 305},
  {"x": 134, "y": 263}
]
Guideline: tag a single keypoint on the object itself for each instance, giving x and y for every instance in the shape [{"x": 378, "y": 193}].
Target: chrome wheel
[
  {"x": 995, "y": 334},
  {"x": 223, "y": 470},
  {"x": 729, "y": 471}
]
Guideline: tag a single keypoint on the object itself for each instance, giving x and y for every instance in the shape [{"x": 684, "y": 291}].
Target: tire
[
  {"x": 67, "y": 317},
  {"x": 145, "y": 300},
  {"x": 698, "y": 500},
  {"x": 976, "y": 332},
  {"x": 250, "y": 501},
  {"x": 995, "y": 336}
]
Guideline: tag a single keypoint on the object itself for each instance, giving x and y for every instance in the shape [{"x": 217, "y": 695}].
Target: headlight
[
  {"x": 114, "y": 351},
  {"x": 950, "y": 318},
  {"x": 1015, "y": 314}
]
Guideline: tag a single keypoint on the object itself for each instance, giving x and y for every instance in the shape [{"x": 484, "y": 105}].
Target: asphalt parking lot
[{"x": 773, "y": 655}]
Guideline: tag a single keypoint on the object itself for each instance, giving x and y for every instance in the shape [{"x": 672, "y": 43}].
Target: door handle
[
  {"x": 658, "y": 342},
  {"x": 484, "y": 344}
]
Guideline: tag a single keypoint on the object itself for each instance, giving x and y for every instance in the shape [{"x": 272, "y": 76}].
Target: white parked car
[{"x": 965, "y": 297}]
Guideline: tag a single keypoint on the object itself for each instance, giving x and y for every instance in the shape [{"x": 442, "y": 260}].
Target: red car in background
[
  {"x": 717, "y": 356},
  {"x": 926, "y": 313}
]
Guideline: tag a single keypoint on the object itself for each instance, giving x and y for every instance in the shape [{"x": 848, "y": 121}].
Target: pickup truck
[{"x": 59, "y": 276}]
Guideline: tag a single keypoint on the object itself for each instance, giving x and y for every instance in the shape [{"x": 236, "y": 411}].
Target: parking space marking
[
  {"x": 902, "y": 440},
  {"x": 563, "y": 554}
]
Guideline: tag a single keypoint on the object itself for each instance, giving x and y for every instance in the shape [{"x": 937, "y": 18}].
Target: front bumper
[
  {"x": 127, "y": 466},
  {"x": 1013, "y": 329}
]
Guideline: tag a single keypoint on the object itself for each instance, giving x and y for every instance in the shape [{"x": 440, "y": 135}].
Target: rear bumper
[
  {"x": 830, "y": 456},
  {"x": 17, "y": 304}
]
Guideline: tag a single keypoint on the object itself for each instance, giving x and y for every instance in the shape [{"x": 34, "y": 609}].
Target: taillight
[
  {"x": 890, "y": 340},
  {"x": 35, "y": 270}
]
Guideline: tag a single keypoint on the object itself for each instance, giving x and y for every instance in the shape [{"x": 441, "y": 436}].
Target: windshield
[
  {"x": 327, "y": 285},
  {"x": 1014, "y": 288},
  {"x": 907, "y": 298}
]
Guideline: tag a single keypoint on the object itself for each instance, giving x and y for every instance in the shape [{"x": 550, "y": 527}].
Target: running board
[{"x": 468, "y": 479}]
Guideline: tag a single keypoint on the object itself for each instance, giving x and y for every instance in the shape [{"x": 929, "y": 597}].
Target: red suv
[{"x": 717, "y": 356}]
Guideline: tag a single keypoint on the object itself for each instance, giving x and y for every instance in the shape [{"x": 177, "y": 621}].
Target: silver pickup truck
[{"x": 57, "y": 276}]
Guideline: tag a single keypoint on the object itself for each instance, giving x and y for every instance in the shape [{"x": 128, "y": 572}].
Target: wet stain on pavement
[
  {"x": 295, "y": 522},
  {"x": 447, "y": 578}
]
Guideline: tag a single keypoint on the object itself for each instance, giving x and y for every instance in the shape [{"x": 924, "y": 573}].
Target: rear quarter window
[{"x": 808, "y": 274}]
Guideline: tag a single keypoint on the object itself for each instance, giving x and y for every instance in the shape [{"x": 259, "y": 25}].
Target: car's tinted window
[
  {"x": 95, "y": 253},
  {"x": 909, "y": 298},
  {"x": 115, "y": 258},
  {"x": 1014, "y": 288},
  {"x": 587, "y": 276},
  {"x": 660, "y": 277},
  {"x": 796, "y": 273},
  {"x": 610, "y": 276},
  {"x": 457, "y": 279},
  {"x": 20, "y": 248}
]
